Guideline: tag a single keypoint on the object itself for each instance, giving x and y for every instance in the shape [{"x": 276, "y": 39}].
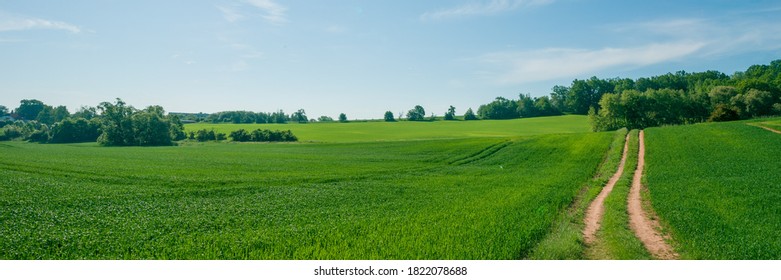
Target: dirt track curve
[
  {"x": 767, "y": 128},
  {"x": 639, "y": 221},
  {"x": 596, "y": 210}
]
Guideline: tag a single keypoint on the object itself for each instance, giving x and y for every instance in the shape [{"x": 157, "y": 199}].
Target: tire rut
[
  {"x": 596, "y": 209},
  {"x": 642, "y": 224}
]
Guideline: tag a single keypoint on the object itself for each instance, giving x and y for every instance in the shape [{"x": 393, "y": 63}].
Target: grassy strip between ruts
[
  {"x": 615, "y": 240},
  {"x": 565, "y": 239}
]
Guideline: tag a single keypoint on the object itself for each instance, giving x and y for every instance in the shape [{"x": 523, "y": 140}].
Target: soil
[
  {"x": 596, "y": 210},
  {"x": 644, "y": 226}
]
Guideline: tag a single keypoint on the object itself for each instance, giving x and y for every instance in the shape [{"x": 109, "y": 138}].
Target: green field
[
  {"x": 396, "y": 131},
  {"x": 472, "y": 198},
  {"x": 717, "y": 187},
  {"x": 373, "y": 190}
]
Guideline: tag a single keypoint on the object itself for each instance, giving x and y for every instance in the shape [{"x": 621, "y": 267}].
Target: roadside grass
[
  {"x": 409, "y": 130},
  {"x": 716, "y": 188},
  {"x": 428, "y": 199},
  {"x": 615, "y": 239},
  {"x": 564, "y": 241}
]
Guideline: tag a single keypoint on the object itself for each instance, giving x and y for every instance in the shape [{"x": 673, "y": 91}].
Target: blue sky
[{"x": 360, "y": 57}]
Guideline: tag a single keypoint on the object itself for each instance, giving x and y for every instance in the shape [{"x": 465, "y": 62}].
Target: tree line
[
  {"x": 110, "y": 124},
  {"x": 669, "y": 99}
]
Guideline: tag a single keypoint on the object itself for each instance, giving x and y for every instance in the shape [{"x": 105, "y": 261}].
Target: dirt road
[
  {"x": 596, "y": 210},
  {"x": 644, "y": 227}
]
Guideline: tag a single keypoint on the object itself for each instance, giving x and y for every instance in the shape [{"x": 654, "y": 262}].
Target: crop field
[
  {"x": 471, "y": 198},
  {"x": 717, "y": 187},
  {"x": 396, "y": 131}
]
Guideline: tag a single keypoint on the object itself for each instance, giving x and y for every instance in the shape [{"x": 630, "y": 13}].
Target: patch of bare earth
[
  {"x": 644, "y": 227},
  {"x": 596, "y": 210},
  {"x": 766, "y": 128}
]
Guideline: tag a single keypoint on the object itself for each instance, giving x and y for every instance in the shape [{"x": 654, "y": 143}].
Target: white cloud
[
  {"x": 17, "y": 23},
  {"x": 554, "y": 63},
  {"x": 270, "y": 11},
  {"x": 273, "y": 12},
  {"x": 482, "y": 8},
  {"x": 230, "y": 14}
]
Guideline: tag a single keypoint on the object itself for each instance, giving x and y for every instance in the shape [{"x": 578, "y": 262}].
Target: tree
[
  {"x": 3, "y": 111},
  {"x": 29, "y": 109},
  {"x": 469, "y": 115},
  {"x": 451, "y": 113},
  {"x": 342, "y": 117},
  {"x": 558, "y": 98},
  {"x": 86, "y": 112},
  {"x": 46, "y": 115},
  {"x": 150, "y": 128},
  {"x": 60, "y": 113},
  {"x": 500, "y": 109},
  {"x": 117, "y": 124},
  {"x": 299, "y": 116},
  {"x": 389, "y": 116},
  {"x": 325, "y": 119},
  {"x": 526, "y": 108},
  {"x": 416, "y": 114}
]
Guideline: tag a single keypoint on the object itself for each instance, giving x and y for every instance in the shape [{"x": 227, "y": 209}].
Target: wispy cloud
[
  {"x": 269, "y": 10},
  {"x": 555, "y": 63},
  {"x": 661, "y": 41},
  {"x": 11, "y": 23},
  {"x": 273, "y": 12},
  {"x": 230, "y": 14},
  {"x": 482, "y": 8}
]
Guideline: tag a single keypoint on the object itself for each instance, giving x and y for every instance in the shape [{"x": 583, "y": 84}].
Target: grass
[
  {"x": 615, "y": 239},
  {"x": 565, "y": 239},
  {"x": 717, "y": 189},
  {"x": 403, "y": 131},
  {"x": 471, "y": 198}
]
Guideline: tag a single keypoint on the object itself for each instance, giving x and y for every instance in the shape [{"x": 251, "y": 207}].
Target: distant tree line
[
  {"x": 669, "y": 99},
  {"x": 238, "y": 117},
  {"x": 263, "y": 135}
]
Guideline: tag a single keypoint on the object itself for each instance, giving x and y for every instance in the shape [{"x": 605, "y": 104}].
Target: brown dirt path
[
  {"x": 643, "y": 226},
  {"x": 596, "y": 209},
  {"x": 765, "y": 127}
]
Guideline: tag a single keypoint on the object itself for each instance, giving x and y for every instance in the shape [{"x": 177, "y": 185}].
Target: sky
[{"x": 360, "y": 58}]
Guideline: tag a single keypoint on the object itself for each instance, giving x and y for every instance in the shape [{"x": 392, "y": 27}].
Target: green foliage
[
  {"x": 342, "y": 118},
  {"x": 123, "y": 125},
  {"x": 29, "y": 109},
  {"x": 500, "y": 109},
  {"x": 325, "y": 119},
  {"x": 299, "y": 116},
  {"x": 416, "y": 114},
  {"x": 389, "y": 116},
  {"x": 75, "y": 131},
  {"x": 3, "y": 111},
  {"x": 716, "y": 188},
  {"x": 450, "y": 114},
  {"x": 470, "y": 115}
]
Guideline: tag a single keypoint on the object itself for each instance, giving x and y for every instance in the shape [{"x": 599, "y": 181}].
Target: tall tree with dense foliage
[
  {"x": 500, "y": 109},
  {"x": 451, "y": 113},
  {"x": 299, "y": 116},
  {"x": 389, "y": 116},
  {"x": 342, "y": 117},
  {"x": 29, "y": 109},
  {"x": 469, "y": 115},
  {"x": 416, "y": 114}
]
